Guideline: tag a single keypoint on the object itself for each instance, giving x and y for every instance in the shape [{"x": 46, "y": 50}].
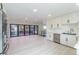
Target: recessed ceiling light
[
  {"x": 35, "y": 10},
  {"x": 49, "y": 15}
]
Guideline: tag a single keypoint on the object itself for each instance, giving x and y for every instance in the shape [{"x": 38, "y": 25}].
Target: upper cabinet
[{"x": 72, "y": 18}]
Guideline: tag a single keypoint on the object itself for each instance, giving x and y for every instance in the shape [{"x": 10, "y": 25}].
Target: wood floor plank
[{"x": 37, "y": 45}]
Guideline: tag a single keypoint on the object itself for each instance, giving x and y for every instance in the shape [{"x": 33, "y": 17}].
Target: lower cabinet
[
  {"x": 68, "y": 40},
  {"x": 71, "y": 40},
  {"x": 63, "y": 39}
]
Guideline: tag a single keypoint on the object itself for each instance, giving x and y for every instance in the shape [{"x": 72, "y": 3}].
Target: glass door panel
[
  {"x": 36, "y": 29},
  {"x": 13, "y": 30},
  {"x": 21, "y": 30},
  {"x": 26, "y": 29},
  {"x": 31, "y": 29}
]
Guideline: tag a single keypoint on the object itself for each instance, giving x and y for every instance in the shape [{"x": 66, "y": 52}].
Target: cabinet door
[
  {"x": 71, "y": 41},
  {"x": 13, "y": 30},
  {"x": 64, "y": 39}
]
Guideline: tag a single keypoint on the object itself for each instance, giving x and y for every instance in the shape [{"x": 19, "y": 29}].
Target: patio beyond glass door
[
  {"x": 26, "y": 30},
  {"x": 21, "y": 30},
  {"x": 13, "y": 30},
  {"x": 31, "y": 30}
]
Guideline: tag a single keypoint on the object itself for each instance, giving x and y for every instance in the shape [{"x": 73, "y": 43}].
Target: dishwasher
[{"x": 56, "y": 38}]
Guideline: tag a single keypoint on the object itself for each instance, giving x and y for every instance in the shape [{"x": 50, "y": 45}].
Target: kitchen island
[{"x": 69, "y": 39}]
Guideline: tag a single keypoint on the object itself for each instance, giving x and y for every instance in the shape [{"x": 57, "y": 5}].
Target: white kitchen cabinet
[
  {"x": 63, "y": 39},
  {"x": 49, "y": 36},
  {"x": 71, "y": 40},
  {"x": 68, "y": 40},
  {"x": 3, "y": 31}
]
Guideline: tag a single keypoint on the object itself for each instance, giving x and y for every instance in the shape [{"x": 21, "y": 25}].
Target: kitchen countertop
[{"x": 70, "y": 33}]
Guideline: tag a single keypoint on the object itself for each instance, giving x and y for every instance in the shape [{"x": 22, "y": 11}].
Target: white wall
[
  {"x": 0, "y": 32},
  {"x": 62, "y": 21}
]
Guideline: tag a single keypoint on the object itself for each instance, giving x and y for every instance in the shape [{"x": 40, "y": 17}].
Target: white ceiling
[{"x": 20, "y": 11}]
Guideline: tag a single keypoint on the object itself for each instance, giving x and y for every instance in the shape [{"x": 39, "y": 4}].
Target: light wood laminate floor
[{"x": 37, "y": 45}]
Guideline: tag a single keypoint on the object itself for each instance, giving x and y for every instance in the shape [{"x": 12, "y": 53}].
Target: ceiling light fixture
[{"x": 35, "y": 10}]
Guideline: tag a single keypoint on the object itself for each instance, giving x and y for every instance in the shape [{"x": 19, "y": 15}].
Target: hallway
[{"x": 36, "y": 45}]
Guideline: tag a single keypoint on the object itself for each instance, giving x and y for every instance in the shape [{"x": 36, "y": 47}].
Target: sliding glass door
[
  {"x": 13, "y": 30},
  {"x": 26, "y": 29},
  {"x": 21, "y": 30},
  {"x": 31, "y": 30}
]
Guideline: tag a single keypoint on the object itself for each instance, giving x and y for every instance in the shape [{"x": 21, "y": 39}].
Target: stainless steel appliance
[{"x": 56, "y": 37}]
